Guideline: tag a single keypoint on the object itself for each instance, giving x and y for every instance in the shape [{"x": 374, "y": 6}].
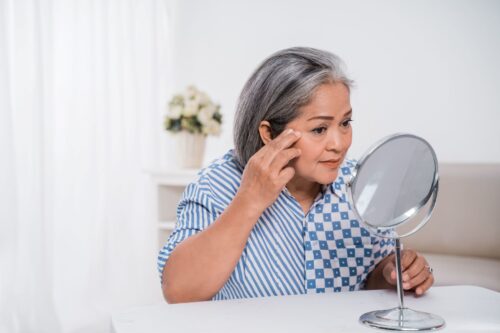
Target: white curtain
[{"x": 83, "y": 85}]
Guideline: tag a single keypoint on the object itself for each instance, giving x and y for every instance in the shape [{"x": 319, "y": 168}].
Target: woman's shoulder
[
  {"x": 226, "y": 165},
  {"x": 225, "y": 162},
  {"x": 221, "y": 178}
]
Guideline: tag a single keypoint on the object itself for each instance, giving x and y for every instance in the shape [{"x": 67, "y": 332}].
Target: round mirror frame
[{"x": 381, "y": 231}]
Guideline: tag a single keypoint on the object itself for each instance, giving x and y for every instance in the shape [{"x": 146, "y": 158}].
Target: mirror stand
[{"x": 401, "y": 318}]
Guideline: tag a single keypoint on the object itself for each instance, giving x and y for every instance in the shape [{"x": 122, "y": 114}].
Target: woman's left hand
[{"x": 417, "y": 274}]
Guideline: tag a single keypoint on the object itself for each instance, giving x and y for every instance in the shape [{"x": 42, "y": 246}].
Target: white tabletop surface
[{"x": 464, "y": 308}]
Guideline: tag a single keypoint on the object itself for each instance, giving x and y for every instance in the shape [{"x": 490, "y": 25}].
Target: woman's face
[{"x": 326, "y": 134}]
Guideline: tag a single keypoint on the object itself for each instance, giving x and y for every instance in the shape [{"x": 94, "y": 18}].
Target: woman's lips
[{"x": 333, "y": 164}]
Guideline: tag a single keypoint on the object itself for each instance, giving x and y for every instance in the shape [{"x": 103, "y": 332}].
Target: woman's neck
[{"x": 303, "y": 191}]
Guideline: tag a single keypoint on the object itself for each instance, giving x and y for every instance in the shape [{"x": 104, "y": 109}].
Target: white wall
[{"x": 425, "y": 67}]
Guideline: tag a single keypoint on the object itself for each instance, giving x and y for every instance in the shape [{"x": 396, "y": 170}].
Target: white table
[{"x": 464, "y": 308}]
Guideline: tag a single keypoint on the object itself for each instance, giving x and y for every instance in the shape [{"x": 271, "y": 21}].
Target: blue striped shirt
[{"x": 288, "y": 252}]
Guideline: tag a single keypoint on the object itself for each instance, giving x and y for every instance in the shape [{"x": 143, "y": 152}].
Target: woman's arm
[{"x": 200, "y": 265}]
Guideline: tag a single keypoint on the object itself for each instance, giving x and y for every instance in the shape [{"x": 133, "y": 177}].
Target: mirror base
[{"x": 402, "y": 319}]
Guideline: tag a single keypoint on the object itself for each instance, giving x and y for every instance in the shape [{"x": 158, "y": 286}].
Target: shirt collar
[{"x": 338, "y": 187}]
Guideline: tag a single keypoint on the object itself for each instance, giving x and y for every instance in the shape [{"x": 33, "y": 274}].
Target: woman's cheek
[
  {"x": 305, "y": 163},
  {"x": 348, "y": 140}
]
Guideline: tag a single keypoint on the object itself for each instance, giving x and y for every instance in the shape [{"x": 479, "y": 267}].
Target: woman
[{"x": 272, "y": 217}]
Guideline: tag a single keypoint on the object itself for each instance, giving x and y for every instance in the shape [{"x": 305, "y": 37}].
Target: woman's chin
[
  {"x": 318, "y": 175},
  {"x": 327, "y": 178}
]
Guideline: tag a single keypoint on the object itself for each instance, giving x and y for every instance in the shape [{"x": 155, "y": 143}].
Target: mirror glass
[{"x": 394, "y": 180}]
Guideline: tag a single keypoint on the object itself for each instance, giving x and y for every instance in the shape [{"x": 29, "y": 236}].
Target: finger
[
  {"x": 416, "y": 280},
  {"x": 415, "y": 268},
  {"x": 389, "y": 272},
  {"x": 421, "y": 289},
  {"x": 281, "y": 142},
  {"x": 286, "y": 175},
  {"x": 407, "y": 259},
  {"x": 267, "y": 147},
  {"x": 283, "y": 158}
]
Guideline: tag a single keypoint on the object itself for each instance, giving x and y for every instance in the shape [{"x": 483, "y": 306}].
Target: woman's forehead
[{"x": 329, "y": 100}]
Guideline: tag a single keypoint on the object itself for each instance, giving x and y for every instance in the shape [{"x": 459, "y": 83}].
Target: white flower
[
  {"x": 212, "y": 127},
  {"x": 206, "y": 114},
  {"x": 178, "y": 99},
  {"x": 193, "y": 111},
  {"x": 203, "y": 99},
  {"x": 175, "y": 112},
  {"x": 190, "y": 108},
  {"x": 191, "y": 92}
]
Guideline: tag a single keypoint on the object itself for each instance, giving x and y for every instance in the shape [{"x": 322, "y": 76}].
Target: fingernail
[
  {"x": 418, "y": 291},
  {"x": 288, "y": 131},
  {"x": 405, "y": 277},
  {"x": 406, "y": 285},
  {"x": 297, "y": 133}
]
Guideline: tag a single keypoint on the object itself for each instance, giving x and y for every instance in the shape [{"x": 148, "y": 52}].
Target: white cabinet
[{"x": 169, "y": 186}]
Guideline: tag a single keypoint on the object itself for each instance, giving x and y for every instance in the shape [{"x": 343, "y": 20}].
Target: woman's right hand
[{"x": 267, "y": 171}]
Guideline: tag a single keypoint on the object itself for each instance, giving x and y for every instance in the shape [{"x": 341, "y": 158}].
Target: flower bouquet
[
  {"x": 191, "y": 117},
  {"x": 193, "y": 112}
]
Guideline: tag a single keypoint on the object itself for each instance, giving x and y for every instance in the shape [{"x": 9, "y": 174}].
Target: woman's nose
[{"x": 335, "y": 142}]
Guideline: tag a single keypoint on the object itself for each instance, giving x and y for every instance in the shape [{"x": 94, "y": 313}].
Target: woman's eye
[
  {"x": 319, "y": 130},
  {"x": 346, "y": 123}
]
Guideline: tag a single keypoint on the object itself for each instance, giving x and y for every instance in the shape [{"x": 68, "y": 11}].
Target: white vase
[{"x": 190, "y": 149}]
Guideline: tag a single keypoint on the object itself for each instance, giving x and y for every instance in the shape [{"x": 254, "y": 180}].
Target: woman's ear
[{"x": 265, "y": 131}]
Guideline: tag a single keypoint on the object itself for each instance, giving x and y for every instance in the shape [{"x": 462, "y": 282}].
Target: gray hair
[{"x": 282, "y": 84}]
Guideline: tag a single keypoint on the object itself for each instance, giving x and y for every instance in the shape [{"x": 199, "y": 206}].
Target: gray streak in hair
[{"x": 282, "y": 84}]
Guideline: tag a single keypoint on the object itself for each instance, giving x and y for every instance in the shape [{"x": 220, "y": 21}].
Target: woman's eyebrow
[{"x": 348, "y": 113}]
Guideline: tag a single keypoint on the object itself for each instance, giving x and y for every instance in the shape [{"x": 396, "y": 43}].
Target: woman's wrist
[{"x": 247, "y": 206}]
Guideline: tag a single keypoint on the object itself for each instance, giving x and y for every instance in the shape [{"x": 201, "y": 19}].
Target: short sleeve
[{"x": 195, "y": 213}]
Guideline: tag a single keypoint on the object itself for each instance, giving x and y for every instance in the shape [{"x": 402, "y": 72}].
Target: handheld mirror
[{"x": 393, "y": 190}]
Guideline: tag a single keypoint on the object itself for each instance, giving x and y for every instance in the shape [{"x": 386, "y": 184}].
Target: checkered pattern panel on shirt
[{"x": 339, "y": 252}]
